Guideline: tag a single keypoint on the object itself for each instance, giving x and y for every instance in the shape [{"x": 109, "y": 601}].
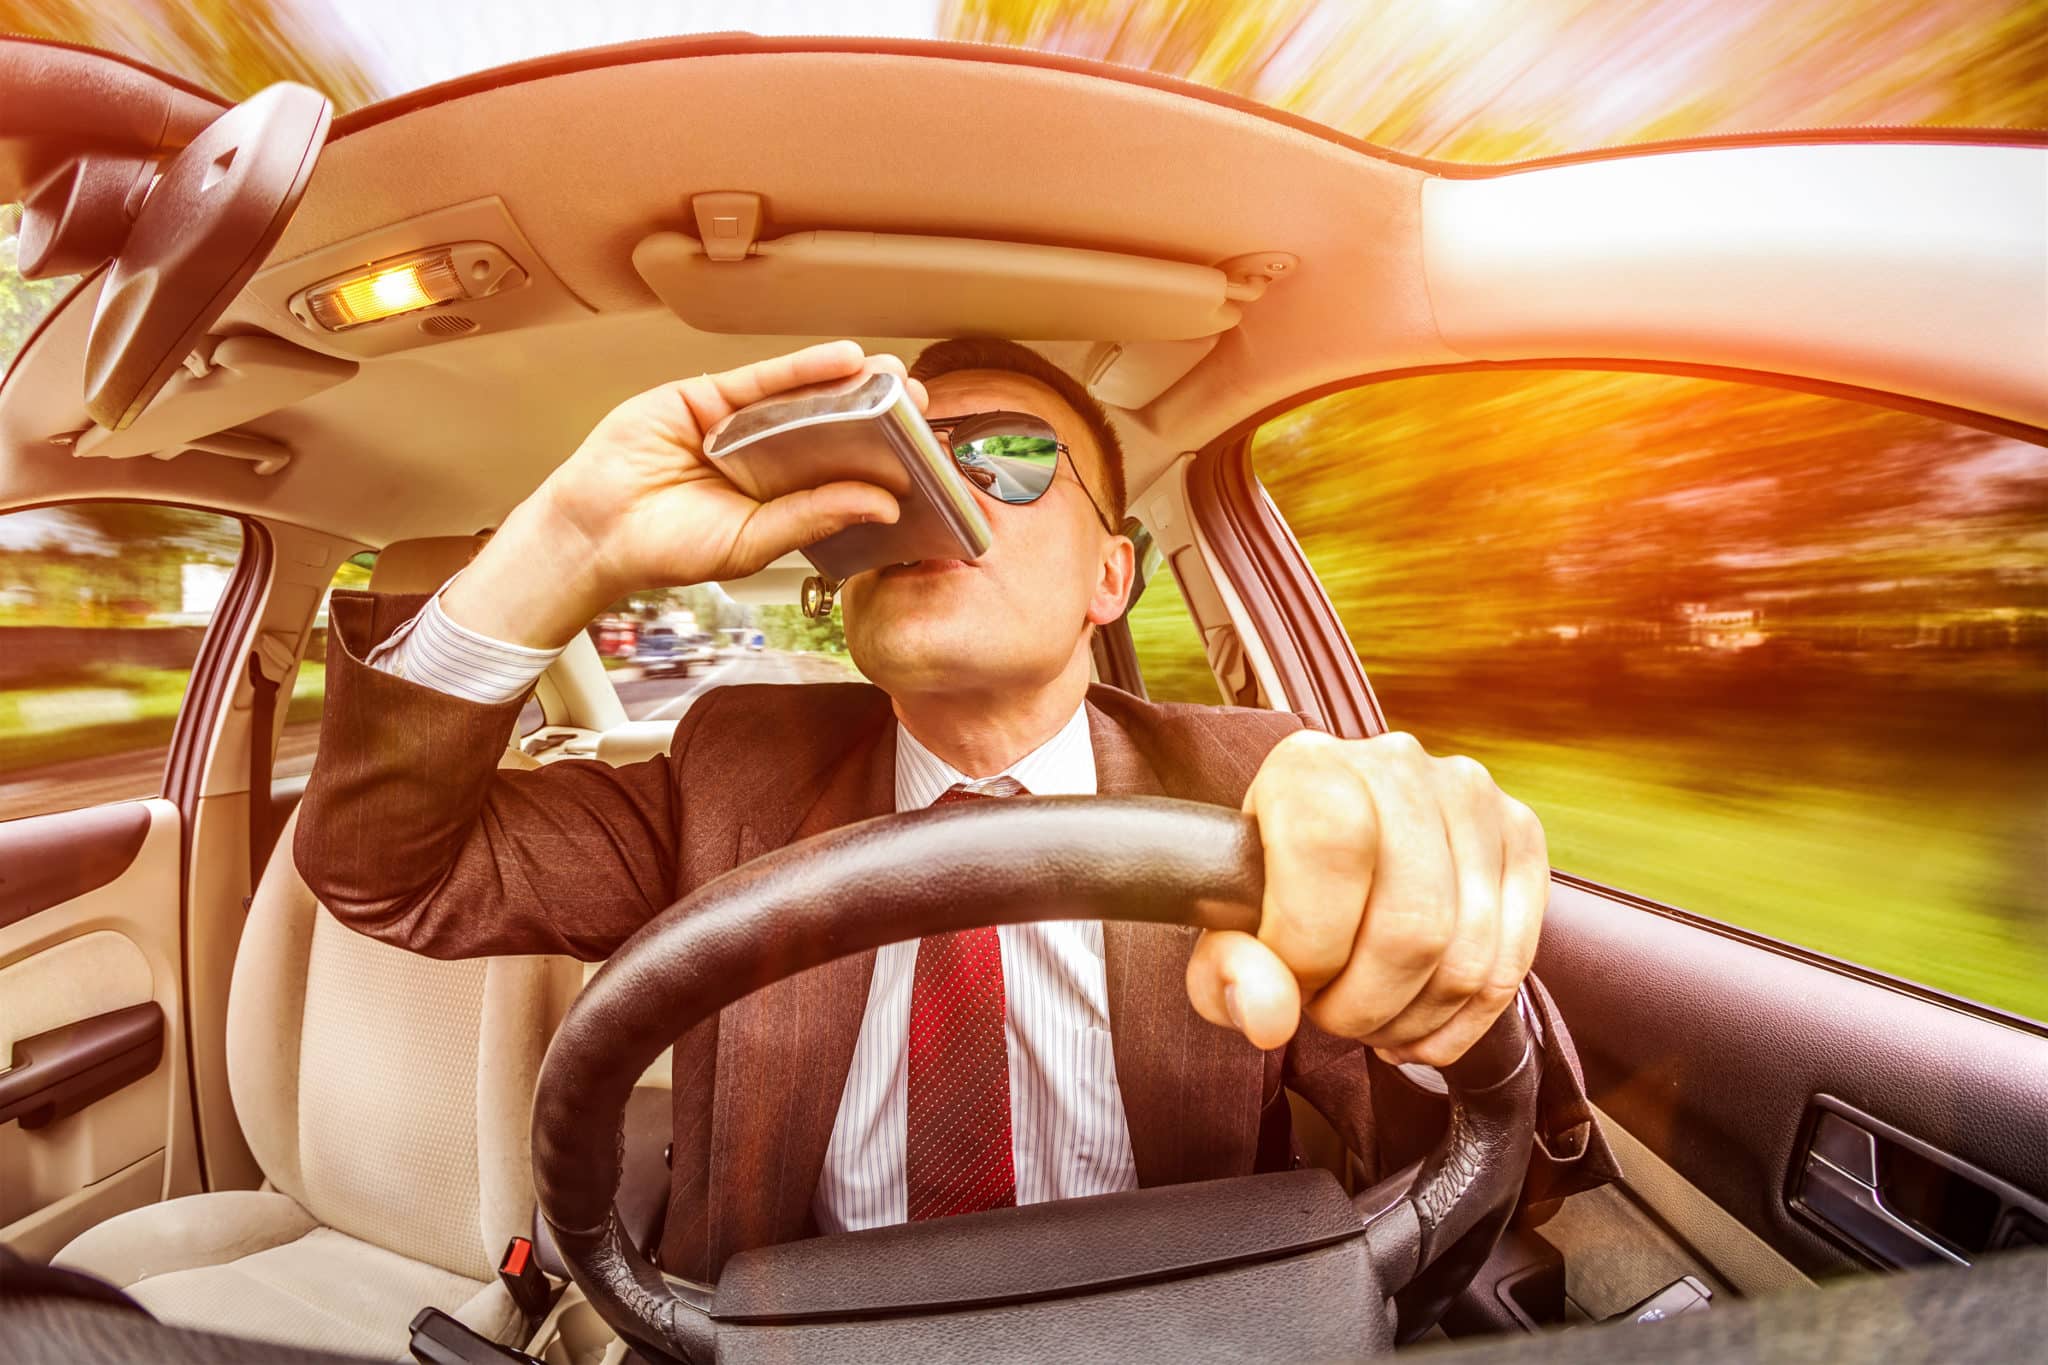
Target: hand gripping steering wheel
[{"x": 1282, "y": 1265}]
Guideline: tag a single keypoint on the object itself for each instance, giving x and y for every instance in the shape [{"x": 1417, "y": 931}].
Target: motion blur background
[{"x": 1777, "y": 658}]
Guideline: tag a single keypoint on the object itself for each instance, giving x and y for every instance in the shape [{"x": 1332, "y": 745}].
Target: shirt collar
[{"x": 1062, "y": 766}]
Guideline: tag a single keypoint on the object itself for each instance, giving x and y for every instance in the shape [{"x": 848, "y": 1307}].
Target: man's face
[{"x": 1018, "y": 616}]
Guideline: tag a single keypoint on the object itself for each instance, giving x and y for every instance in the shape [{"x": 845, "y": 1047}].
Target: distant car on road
[
  {"x": 615, "y": 636},
  {"x": 661, "y": 650}
]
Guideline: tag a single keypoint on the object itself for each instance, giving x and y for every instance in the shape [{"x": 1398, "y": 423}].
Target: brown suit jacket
[{"x": 411, "y": 834}]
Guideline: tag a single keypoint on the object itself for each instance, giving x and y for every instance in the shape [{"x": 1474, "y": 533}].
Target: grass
[
  {"x": 118, "y": 709},
  {"x": 1926, "y": 882}
]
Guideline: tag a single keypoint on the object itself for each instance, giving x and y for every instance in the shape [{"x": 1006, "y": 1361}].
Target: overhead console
[{"x": 1153, "y": 319}]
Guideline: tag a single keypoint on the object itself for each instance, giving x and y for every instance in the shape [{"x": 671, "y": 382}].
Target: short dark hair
[{"x": 994, "y": 353}]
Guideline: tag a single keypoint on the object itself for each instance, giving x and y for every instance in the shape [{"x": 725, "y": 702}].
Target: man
[{"x": 1403, "y": 894}]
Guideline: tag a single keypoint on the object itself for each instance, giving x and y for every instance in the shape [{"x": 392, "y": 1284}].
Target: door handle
[
  {"x": 1900, "y": 1201},
  {"x": 61, "y": 1071},
  {"x": 1857, "y": 1210}
]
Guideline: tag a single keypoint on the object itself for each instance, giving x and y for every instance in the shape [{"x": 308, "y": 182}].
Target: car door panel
[
  {"x": 103, "y": 950},
  {"x": 47, "y": 861},
  {"x": 1711, "y": 1047}
]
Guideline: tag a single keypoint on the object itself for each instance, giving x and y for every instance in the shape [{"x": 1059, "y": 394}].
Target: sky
[{"x": 476, "y": 36}]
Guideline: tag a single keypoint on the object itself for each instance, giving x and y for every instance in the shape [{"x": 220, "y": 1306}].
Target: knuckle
[
  {"x": 1465, "y": 775},
  {"x": 1319, "y": 807},
  {"x": 1414, "y": 937},
  {"x": 1301, "y": 748},
  {"x": 1520, "y": 818},
  {"x": 1400, "y": 745},
  {"x": 1460, "y": 976},
  {"x": 1498, "y": 990}
]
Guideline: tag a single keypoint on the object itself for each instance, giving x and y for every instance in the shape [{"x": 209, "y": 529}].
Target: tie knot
[{"x": 987, "y": 787}]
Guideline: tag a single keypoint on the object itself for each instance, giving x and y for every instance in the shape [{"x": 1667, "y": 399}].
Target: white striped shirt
[
  {"x": 1069, "y": 1135},
  {"x": 1068, "y": 1132}
]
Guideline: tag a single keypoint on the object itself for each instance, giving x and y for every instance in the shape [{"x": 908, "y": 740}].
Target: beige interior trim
[
  {"x": 782, "y": 581},
  {"x": 635, "y": 740},
  {"x": 576, "y": 690},
  {"x": 50, "y": 1229},
  {"x": 1239, "y": 618},
  {"x": 1912, "y": 268},
  {"x": 303, "y": 565},
  {"x": 92, "y": 974},
  {"x": 1734, "y": 1253},
  {"x": 421, "y": 564}
]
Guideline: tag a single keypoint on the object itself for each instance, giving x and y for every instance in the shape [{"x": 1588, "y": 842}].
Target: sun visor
[
  {"x": 890, "y": 285},
  {"x": 222, "y": 384}
]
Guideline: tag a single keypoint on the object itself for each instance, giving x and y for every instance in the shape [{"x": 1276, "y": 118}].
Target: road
[
  {"x": 119, "y": 777},
  {"x": 668, "y": 698}
]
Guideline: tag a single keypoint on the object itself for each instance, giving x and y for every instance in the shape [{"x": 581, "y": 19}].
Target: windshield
[{"x": 1463, "y": 80}]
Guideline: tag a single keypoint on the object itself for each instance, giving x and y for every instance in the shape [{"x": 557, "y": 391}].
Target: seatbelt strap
[{"x": 262, "y": 729}]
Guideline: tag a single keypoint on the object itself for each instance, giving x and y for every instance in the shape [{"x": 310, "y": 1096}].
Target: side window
[
  {"x": 300, "y": 738},
  {"x": 102, "y": 608},
  {"x": 1776, "y": 658},
  {"x": 1168, "y": 643}
]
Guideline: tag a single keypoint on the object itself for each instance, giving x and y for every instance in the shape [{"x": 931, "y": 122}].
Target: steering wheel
[{"x": 1273, "y": 1265}]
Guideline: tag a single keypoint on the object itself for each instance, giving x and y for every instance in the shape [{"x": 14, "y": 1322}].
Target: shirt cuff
[{"x": 434, "y": 651}]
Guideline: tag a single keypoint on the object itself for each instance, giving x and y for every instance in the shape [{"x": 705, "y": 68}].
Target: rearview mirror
[
  {"x": 209, "y": 223},
  {"x": 112, "y": 160}
]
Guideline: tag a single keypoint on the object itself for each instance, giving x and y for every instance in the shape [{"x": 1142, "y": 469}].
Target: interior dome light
[{"x": 406, "y": 284}]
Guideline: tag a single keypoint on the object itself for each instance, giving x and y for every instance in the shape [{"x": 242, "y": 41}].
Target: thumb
[
  {"x": 808, "y": 515},
  {"x": 1238, "y": 982}
]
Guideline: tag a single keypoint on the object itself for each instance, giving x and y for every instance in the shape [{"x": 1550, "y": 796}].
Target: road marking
[{"x": 681, "y": 698}]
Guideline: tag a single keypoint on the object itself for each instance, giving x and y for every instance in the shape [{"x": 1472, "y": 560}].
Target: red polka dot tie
[{"x": 958, "y": 1156}]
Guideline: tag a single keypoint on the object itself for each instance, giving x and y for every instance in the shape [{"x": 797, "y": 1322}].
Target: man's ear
[{"x": 1113, "y": 583}]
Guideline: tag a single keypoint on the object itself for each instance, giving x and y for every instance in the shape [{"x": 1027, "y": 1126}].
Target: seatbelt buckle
[
  {"x": 520, "y": 1271},
  {"x": 438, "y": 1339}
]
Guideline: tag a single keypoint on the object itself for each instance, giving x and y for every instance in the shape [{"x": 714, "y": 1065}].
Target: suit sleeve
[{"x": 410, "y": 832}]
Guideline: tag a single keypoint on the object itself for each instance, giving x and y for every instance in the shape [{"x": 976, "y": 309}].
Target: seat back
[{"x": 386, "y": 1092}]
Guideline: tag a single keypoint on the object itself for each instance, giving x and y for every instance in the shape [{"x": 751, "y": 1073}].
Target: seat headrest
[{"x": 423, "y": 564}]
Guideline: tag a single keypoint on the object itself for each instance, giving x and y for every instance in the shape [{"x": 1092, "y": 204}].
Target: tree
[
  {"x": 786, "y": 627},
  {"x": 22, "y": 302},
  {"x": 232, "y": 47}
]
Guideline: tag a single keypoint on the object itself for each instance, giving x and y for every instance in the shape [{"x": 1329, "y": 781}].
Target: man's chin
[{"x": 918, "y": 641}]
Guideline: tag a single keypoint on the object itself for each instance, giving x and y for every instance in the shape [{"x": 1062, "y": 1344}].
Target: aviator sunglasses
[{"x": 1011, "y": 456}]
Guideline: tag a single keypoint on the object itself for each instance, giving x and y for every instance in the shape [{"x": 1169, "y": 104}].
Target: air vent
[{"x": 447, "y": 325}]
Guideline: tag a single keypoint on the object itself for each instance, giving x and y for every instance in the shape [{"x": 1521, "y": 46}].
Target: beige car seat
[{"x": 386, "y": 1097}]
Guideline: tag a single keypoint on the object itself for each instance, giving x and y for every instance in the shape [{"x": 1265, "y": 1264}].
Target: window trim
[
  {"x": 217, "y": 669},
  {"x": 1253, "y": 548}
]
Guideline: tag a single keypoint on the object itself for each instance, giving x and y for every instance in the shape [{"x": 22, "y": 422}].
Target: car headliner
[{"x": 1905, "y": 268}]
